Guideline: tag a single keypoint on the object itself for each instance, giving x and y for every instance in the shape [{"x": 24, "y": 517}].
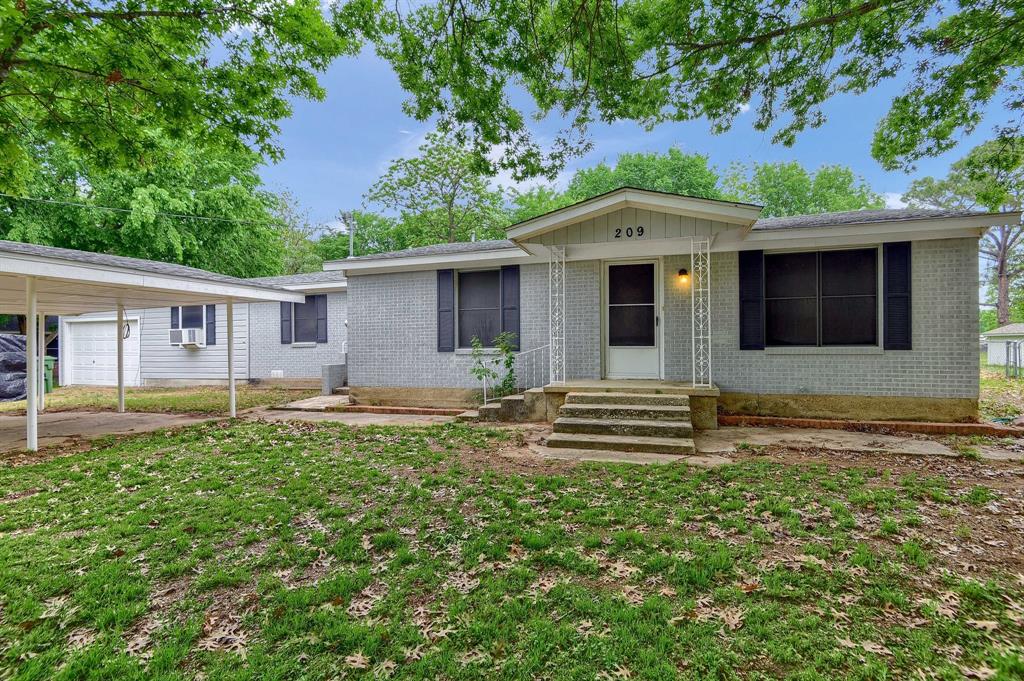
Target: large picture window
[
  {"x": 479, "y": 307},
  {"x": 821, "y": 299}
]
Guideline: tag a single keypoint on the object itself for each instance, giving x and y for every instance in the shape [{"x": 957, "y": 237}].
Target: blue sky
[{"x": 335, "y": 149}]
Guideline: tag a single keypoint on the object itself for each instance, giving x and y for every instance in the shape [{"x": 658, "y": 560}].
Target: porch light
[{"x": 684, "y": 277}]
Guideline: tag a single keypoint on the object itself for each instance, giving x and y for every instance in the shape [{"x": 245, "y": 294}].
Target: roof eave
[
  {"x": 59, "y": 269},
  {"x": 355, "y": 267}
]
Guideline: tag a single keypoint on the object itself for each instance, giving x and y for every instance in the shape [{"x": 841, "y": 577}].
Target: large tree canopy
[
  {"x": 237, "y": 233},
  {"x": 651, "y": 61},
  {"x": 110, "y": 79},
  {"x": 441, "y": 194},
  {"x": 990, "y": 176},
  {"x": 790, "y": 189}
]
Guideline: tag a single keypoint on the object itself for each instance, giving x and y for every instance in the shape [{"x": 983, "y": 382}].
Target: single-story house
[
  {"x": 286, "y": 343},
  {"x": 868, "y": 314},
  {"x": 998, "y": 340}
]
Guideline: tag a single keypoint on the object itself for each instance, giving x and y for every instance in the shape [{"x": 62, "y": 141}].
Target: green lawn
[
  {"x": 1001, "y": 397},
  {"x": 198, "y": 400},
  {"x": 317, "y": 551}
]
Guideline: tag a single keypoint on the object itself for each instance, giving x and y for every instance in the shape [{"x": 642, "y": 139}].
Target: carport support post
[
  {"x": 231, "y": 357},
  {"x": 120, "y": 358},
  {"x": 41, "y": 339},
  {"x": 31, "y": 379}
]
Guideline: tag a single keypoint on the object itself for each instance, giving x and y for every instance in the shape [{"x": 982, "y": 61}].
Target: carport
[{"x": 41, "y": 280}]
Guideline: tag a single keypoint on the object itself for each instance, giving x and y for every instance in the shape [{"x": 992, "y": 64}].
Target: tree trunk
[{"x": 1002, "y": 293}]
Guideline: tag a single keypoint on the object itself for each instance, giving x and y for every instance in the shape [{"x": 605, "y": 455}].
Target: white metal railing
[
  {"x": 531, "y": 371},
  {"x": 556, "y": 314},
  {"x": 700, "y": 302}
]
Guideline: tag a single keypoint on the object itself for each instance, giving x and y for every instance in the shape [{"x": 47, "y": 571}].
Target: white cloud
[
  {"x": 894, "y": 200},
  {"x": 744, "y": 108}
]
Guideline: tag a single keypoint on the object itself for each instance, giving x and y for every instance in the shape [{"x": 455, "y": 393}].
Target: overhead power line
[{"x": 112, "y": 209}]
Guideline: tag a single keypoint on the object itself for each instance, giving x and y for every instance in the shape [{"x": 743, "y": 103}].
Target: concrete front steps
[{"x": 624, "y": 422}]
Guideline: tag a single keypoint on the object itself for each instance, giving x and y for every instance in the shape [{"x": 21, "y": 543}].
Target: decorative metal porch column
[
  {"x": 700, "y": 301},
  {"x": 556, "y": 313}
]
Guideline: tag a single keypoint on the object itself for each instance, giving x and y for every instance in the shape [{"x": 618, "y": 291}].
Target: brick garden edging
[
  {"x": 415, "y": 411},
  {"x": 926, "y": 427}
]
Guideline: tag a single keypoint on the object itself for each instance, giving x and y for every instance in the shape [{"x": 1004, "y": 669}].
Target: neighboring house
[
  {"x": 283, "y": 342},
  {"x": 1000, "y": 339},
  {"x": 867, "y": 314}
]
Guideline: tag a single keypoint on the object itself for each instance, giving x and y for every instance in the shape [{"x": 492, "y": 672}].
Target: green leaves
[
  {"x": 653, "y": 61},
  {"x": 790, "y": 189},
  {"x": 102, "y": 78}
]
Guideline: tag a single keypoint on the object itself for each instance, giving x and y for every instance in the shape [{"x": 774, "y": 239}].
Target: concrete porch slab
[
  {"x": 733, "y": 439},
  {"x": 641, "y": 458}
]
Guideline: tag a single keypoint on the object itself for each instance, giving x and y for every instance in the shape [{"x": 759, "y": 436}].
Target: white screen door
[{"x": 632, "y": 320}]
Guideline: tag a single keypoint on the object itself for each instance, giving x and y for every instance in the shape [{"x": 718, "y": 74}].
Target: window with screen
[
  {"x": 304, "y": 319},
  {"x": 192, "y": 316},
  {"x": 479, "y": 307},
  {"x": 821, "y": 299}
]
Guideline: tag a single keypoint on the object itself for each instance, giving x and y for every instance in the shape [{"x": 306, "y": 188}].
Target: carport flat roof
[{"x": 73, "y": 282}]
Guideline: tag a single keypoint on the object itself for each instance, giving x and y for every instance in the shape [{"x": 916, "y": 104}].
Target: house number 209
[{"x": 628, "y": 232}]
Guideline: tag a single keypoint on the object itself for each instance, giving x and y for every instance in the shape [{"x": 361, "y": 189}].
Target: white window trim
[
  {"x": 181, "y": 318},
  {"x": 466, "y": 349},
  {"x": 878, "y": 347}
]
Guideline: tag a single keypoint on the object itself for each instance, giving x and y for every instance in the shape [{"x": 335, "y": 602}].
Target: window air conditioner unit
[{"x": 187, "y": 338}]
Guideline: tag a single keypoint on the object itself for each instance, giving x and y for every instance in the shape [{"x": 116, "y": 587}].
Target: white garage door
[{"x": 92, "y": 353}]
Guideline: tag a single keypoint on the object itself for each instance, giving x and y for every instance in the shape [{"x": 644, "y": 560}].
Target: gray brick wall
[
  {"x": 394, "y": 322},
  {"x": 943, "y": 362},
  {"x": 266, "y": 353}
]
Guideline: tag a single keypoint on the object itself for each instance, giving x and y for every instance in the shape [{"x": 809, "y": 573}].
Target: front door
[{"x": 631, "y": 319}]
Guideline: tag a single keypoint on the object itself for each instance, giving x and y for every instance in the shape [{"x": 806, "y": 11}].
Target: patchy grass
[
  {"x": 312, "y": 551},
  {"x": 197, "y": 400},
  {"x": 1001, "y": 397}
]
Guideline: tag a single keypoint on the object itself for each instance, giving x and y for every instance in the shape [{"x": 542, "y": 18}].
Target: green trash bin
[{"x": 48, "y": 373}]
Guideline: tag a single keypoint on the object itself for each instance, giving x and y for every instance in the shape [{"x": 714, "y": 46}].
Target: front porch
[
  {"x": 703, "y": 399},
  {"x": 543, "y": 403}
]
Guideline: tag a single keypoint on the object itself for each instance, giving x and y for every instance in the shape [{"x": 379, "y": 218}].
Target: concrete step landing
[
  {"x": 626, "y": 422},
  {"x": 624, "y": 443},
  {"x": 635, "y": 427}
]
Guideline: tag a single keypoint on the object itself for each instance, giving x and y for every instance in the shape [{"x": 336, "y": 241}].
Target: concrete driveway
[{"x": 58, "y": 427}]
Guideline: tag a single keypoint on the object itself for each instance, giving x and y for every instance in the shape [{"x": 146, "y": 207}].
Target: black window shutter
[
  {"x": 321, "y": 318},
  {"x": 896, "y": 291},
  {"x": 510, "y": 302},
  {"x": 211, "y": 324},
  {"x": 286, "y": 323},
  {"x": 175, "y": 319},
  {"x": 751, "y": 300},
  {"x": 446, "y": 311}
]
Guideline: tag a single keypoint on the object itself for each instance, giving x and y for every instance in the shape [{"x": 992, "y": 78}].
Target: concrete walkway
[
  {"x": 63, "y": 426},
  {"x": 318, "y": 403}
]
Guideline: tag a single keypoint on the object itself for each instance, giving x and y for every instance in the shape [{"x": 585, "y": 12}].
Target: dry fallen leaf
[
  {"x": 358, "y": 661},
  {"x": 984, "y": 625}
]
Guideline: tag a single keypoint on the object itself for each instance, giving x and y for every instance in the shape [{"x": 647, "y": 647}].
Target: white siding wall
[
  {"x": 621, "y": 226},
  {"x": 163, "y": 363}
]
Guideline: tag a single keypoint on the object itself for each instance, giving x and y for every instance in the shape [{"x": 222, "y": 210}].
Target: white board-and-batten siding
[
  {"x": 655, "y": 224},
  {"x": 162, "y": 362}
]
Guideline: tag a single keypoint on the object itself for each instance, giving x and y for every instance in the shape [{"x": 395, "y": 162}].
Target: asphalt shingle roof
[
  {"x": 325, "y": 277},
  {"x": 853, "y": 217},
  {"x": 440, "y": 249},
  {"x": 1008, "y": 330},
  {"x": 137, "y": 264},
  {"x": 856, "y": 217}
]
